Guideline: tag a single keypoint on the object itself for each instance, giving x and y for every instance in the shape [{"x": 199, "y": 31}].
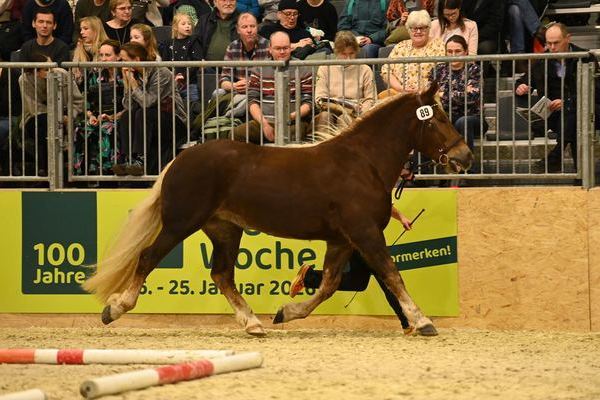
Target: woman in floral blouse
[
  {"x": 459, "y": 92},
  {"x": 412, "y": 77}
]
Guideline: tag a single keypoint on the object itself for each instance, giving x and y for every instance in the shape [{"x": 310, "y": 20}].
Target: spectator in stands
[
  {"x": 118, "y": 27},
  {"x": 523, "y": 24},
  {"x": 10, "y": 108},
  {"x": 451, "y": 22},
  {"x": 147, "y": 11},
  {"x": 288, "y": 16},
  {"x": 250, "y": 6},
  {"x": 63, "y": 18},
  {"x": 269, "y": 9},
  {"x": 397, "y": 13},
  {"x": 261, "y": 97},
  {"x": 90, "y": 8},
  {"x": 561, "y": 80},
  {"x": 143, "y": 34},
  {"x": 320, "y": 15},
  {"x": 489, "y": 16},
  {"x": 412, "y": 77},
  {"x": 367, "y": 20},
  {"x": 91, "y": 35},
  {"x": 149, "y": 98},
  {"x": 343, "y": 91},
  {"x": 11, "y": 29},
  {"x": 250, "y": 46},
  {"x": 183, "y": 47},
  {"x": 104, "y": 95},
  {"x": 45, "y": 43},
  {"x": 34, "y": 120},
  {"x": 460, "y": 84},
  {"x": 217, "y": 29}
]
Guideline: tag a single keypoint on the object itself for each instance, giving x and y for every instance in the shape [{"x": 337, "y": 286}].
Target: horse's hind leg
[
  {"x": 371, "y": 244},
  {"x": 120, "y": 303},
  {"x": 336, "y": 257},
  {"x": 225, "y": 237}
]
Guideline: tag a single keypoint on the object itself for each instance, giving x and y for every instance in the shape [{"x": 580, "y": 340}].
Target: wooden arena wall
[{"x": 529, "y": 258}]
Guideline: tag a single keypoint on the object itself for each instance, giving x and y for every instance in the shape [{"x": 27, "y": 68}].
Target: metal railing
[{"x": 509, "y": 154}]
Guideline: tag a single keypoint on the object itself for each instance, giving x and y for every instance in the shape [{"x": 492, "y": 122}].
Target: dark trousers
[
  {"x": 33, "y": 146},
  {"x": 570, "y": 133},
  {"x": 356, "y": 278}
]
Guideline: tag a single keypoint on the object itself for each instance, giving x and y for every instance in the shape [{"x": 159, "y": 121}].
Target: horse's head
[{"x": 436, "y": 136}]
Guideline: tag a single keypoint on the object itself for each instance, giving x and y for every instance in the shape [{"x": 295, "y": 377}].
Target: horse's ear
[{"x": 433, "y": 89}]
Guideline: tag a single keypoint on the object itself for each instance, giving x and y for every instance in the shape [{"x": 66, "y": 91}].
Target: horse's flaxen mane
[{"x": 333, "y": 132}]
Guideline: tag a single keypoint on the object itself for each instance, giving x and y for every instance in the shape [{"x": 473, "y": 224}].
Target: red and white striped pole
[
  {"x": 32, "y": 394},
  {"x": 118, "y": 383},
  {"x": 96, "y": 356}
]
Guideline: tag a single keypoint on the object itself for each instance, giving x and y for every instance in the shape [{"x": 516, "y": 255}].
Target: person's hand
[
  {"x": 268, "y": 131},
  {"x": 93, "y": 120},
  {"x": 304, "y": 42},
  {"x": 400, "y": 217},
  {"x": 129, "y": 78},
  {"x": 555, "y": 104},
  {"x": 522, "y": 89},
  {"x": 364, "y": 40},
  {"x": 240, "y": 86},
  {"x": 403, "y": 17}
]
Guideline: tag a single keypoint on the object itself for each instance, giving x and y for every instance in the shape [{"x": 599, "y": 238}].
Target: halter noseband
[{"x": 425, "y": 114}]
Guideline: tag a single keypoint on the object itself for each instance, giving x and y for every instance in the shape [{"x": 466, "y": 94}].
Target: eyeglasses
[
  {"x": 419, "y": 28},
  {"x": 290, "y": 14}
]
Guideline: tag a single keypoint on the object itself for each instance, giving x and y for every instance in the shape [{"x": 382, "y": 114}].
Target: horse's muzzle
[{"x": 460, "y": 159}]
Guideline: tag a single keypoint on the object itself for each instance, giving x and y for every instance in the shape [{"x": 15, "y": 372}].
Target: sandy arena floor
[{"x": 334, "y": 364}]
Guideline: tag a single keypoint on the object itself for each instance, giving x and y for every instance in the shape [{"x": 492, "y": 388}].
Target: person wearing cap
[
  {"x": 217, "y": 29},
  {"x": 45, "y": 43},
  {"x": 63, "y": 18},
  {"x": 288, "y": 21}
]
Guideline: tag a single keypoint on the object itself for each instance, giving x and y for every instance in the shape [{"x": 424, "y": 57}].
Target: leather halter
[{"x": 443, "y": 158}]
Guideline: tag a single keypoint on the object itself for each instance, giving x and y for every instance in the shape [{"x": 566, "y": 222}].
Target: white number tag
[{"x": 424, "y": 112}]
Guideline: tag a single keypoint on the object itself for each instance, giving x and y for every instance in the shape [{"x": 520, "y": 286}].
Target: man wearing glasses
[{"x": 288, "y": 16}]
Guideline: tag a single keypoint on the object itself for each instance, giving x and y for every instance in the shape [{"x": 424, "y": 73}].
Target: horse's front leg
[
  {"x": 371, "y": 245},
  {"x": 225, "y": 238},
  {"x": 336, "y": 257}
]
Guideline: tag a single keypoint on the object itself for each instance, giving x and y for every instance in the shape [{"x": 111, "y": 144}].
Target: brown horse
[{"x": 338, "y": 191}]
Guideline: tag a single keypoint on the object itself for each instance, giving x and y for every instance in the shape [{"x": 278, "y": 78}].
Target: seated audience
[
  {"x": 523, "y": 27},
  {"x": 288, "y": 17},
  {"x": 94, "y": 136},
  {"x": 412, "y": 77},
  {"x": 269, "y": 10},
  {"x": 143, "y": 34},
  {"x": 63, "y": 18},
  {"x": 489, "y": 17},
  {"x": 148, "y": 99},
  {"x": 261, "y": 97},
  {"x": 451, "y": 22},
  {"x": 250, "y": 6},
  {"x": 250, "y": 46},
  {"x": 11, "y": 28},
  {"x": 367, "y": 20},
  {"x": 343, "y": 92},
  {"x": 183, "y": 47},
  {"x": 320, "y": 15},
  {"x": 193, "y": 8},
  {"x": 147, "y": 12},
  {"x": 90, "y": 8},
  {"x": 397, "y": 13},
  {"x": 91, "y": 35},
  {"x": 460, "y": 84},
  {"x": 117, "y": 28},
  {"x": 10, "y": 109},
  {"x": 34, "y": 120},
  {"x": 216, "y": 30},
  {"x": 45, "y": 43}
]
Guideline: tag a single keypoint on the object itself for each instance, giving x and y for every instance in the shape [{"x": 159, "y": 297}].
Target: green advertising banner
[{"x": 49, "y": 241}]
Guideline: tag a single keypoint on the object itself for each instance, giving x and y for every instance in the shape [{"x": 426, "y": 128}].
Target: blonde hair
[
  {"x": 81, "y": 54},
  {"x": 418, "y": 18},
  {"x": 176, "y": 20},
  {"x": 149, "y": 40},
  {"x": 345, "y": 39}
]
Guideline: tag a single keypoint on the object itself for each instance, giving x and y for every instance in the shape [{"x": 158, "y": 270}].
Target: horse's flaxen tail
[{"x": 115, "y": 272}]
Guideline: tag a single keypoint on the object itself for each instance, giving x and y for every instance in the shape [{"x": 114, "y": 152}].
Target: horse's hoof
[
  {"x": 256, "y": 330},
  {"x": 278, "y": 317},
  {"x": 427, "y": 330},
  {"x": 106, "y": 318}
]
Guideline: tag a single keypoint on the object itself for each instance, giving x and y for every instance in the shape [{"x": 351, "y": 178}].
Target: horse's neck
[{"x": 384, "y": 141}]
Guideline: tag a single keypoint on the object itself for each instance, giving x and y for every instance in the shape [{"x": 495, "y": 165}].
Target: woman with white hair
[{"x": 412, "y": 77}]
